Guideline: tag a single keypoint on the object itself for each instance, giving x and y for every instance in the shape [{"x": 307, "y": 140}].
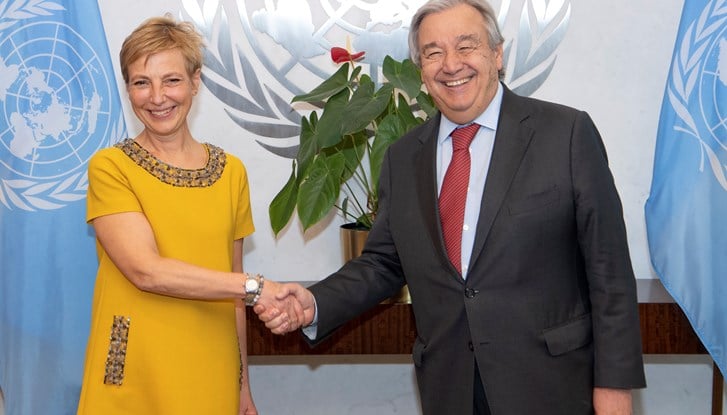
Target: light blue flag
[
  {"x": 58, "y": 105},
  {"x": 686, "y": 213}
]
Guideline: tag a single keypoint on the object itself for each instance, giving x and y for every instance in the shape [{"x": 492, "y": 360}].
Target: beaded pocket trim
[
  {"x": 116, "y": 357},
  {"x": 176, "y": 176}
]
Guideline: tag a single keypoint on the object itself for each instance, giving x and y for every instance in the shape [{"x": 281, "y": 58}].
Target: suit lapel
[
  {"x": 511, "y": 142},
  {"x": 426, "y": 181}
]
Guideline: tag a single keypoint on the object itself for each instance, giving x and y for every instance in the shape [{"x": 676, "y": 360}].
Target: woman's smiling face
[{"x": 160, "y": 91}]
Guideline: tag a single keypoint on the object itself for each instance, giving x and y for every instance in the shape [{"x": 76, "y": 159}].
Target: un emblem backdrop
[
  {"x": 261, "y": 53},
  {"x": 58, "y": 105}
]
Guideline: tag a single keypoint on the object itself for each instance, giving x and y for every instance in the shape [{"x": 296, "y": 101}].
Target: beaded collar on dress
[{"x": 166, "y": 173}]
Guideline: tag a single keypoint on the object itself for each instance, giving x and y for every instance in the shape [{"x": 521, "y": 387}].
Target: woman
[{"x": 170, "y": 214}]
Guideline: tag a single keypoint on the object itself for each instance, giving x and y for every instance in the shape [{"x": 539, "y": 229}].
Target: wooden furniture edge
[{"x": 390, "y": 329}]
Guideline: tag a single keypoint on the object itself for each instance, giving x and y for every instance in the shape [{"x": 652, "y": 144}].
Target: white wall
[{"x": 613, "y": 63}]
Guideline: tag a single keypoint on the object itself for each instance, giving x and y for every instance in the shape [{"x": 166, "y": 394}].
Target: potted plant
[{"x": 342, "y": 145}]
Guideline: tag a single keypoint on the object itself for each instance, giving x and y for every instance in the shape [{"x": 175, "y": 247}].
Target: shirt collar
[{"x": 488, "y": 118}]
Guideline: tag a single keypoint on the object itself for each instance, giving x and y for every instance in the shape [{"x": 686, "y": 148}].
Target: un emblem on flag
[
  {"x": 714, "y": 90},
  {"x": 698, "y": 88},
  {"x": 54, "y": 114}
]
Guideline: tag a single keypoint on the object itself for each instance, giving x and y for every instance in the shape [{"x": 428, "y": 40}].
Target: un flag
[
  {"x": 686, "y": 213},
  {"x": 58, "y": 106}
]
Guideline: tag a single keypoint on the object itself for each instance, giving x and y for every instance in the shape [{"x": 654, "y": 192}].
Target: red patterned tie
[{"x": 453, "y": 195}]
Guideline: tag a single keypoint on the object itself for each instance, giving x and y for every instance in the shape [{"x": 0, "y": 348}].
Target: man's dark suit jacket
[{"x": 548, "y": 309}]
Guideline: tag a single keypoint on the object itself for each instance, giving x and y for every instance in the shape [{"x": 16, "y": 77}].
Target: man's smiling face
[{"x": 459, "y": 69}]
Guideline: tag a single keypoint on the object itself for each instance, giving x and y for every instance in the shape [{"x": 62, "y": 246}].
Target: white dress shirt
[{"x": 480, "y": 155}]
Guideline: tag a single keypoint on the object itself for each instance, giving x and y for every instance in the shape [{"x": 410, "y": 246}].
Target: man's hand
[
  {"x": 608, "y": 401},
  {"x": 285, "y": 311},
  {"x": 285, "y": 307}
]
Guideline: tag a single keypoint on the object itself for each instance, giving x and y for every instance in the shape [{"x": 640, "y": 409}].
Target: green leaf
[
  {"x": 367, "y": 219},
  {"x": 404, "y": 76},
  {"x": 328, "y": 88},
  {"x": 344, "y": 207},
  {"x": 406, "y": 114},
  {"x": 308, "y": 146},
  {"x": 353, "y": 149},
  {"x": 354, "y": 75},
  {"x": 391, "y": 128},
  {"x": 319, "y": 189},
  {"x": 356, "y": 125},
  {"x": 329, "y": 132},
  {"x": 426, "y": 103},
  {"x": 283, "y": 205},
  {"x": 365, "y": 105}
]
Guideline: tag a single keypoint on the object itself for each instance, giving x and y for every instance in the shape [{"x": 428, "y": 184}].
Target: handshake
[{"x": 285, "y": 307}]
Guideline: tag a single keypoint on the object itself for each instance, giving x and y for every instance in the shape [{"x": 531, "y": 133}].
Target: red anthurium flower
[{"x": 340, "y": 55}]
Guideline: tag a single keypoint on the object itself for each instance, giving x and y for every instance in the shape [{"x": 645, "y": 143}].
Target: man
[{"x": 536, "y": 313}]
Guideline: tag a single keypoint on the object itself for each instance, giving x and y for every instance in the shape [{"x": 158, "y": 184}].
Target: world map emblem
[
  {"x": 261, "y": 53},
  {"x": 54, "y": 114}
]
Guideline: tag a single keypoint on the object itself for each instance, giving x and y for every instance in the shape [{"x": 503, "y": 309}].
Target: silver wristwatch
[{"x": 253, "y": 288}]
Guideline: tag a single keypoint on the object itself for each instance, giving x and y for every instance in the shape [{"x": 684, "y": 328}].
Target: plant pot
[{"x": 353, "y": 239}]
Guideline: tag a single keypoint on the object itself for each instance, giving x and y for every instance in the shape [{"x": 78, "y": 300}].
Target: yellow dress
[{"x": 150, "y": 353}]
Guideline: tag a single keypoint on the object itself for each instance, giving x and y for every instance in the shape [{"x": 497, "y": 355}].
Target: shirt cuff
[{"x": 311, "y": 331}]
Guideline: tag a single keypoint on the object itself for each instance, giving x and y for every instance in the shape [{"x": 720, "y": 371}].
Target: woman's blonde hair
[{"x": 158, "y": 34}]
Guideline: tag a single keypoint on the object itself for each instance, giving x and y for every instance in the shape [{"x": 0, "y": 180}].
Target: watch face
[{"x": 251, "y": 285}]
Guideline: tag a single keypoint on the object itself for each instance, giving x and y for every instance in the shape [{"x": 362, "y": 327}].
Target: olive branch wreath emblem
[
  {"x": 530, "y": 56},
  {"x": 254, "y": 106},
  {"x": 11, "y": 12},
  {"x": 31, "y": 195},
  {"x": 251, "y": 103},
  {"x": 685, "y": 75},
  {"x": 28, "y": 194}
]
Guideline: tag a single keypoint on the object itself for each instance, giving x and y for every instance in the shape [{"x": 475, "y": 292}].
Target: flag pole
[{"x": 717, "y": 389}]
